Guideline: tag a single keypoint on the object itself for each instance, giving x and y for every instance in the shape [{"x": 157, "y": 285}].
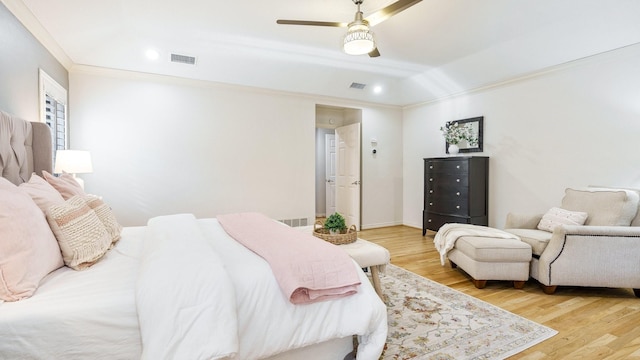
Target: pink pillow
[
  {"x": 42, "y": 193},
  {"x": 28, "y": 250},
  {"x": 66, "y": 185}
]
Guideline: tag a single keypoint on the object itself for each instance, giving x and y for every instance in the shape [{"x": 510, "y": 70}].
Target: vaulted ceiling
[{"x": 433, "y": 49}]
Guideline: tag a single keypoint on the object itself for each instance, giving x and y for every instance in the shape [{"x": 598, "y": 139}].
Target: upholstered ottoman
[
  {"x": 486, "y": 258},
  {"x": 369, "y": 255}
]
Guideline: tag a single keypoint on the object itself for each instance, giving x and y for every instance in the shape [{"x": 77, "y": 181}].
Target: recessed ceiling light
[
  {"x": 377, "y": 89},
  {"x": 152, "y": 54}
]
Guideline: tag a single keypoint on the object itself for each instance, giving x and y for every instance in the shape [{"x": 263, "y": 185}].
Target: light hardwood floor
[{"x": 592, "y": 323}]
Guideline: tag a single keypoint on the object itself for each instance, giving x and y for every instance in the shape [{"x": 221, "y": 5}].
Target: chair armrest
[
  {"x": 522, "y": 221},
  {"x": 609, "y": 231},
  {"x": 605, "y": 256}
]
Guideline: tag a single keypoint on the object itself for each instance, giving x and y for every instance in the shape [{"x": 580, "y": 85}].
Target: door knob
[
  {"x": 357, "y": 182},
  {"x": 329, "y": 180}
]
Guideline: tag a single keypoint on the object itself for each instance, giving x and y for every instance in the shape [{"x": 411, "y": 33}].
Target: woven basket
[{"x": 347, "y": 237}]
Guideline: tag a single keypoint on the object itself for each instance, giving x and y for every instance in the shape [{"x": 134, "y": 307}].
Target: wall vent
[
  {"x": 295, "y": 222},
  {"x": 183, "y": 59},
  {"x": 358, "y": 86}
]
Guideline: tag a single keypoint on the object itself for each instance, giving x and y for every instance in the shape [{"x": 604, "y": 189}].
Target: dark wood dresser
[{"x": 456, "y": 190}]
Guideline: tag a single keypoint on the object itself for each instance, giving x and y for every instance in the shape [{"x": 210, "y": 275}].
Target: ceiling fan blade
[
  {"x": 387, "y": 12},
  {"x": 312, "y": 23},
  {"x": 374, "y": 53}
]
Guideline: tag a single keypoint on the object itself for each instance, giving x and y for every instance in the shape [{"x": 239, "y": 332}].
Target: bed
[{"x": 177, "y": 288}]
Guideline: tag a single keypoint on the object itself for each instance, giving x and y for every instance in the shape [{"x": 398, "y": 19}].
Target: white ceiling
[{"x": 433, "y": 49}]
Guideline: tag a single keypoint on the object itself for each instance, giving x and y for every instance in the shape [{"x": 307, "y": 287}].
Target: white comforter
[
  {"x": 201, "y": 294},
  {"x": 92, "y": 314},
  {"x": 89, "y": 314}
]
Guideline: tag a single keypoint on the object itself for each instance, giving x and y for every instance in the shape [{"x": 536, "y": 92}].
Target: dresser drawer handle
[
  {"x": 430, "y": 204},
  {"x": 457, "y": 206},
  {"x": 458, "y": 193},
  {"x": 458, "y": 167},
  {"x": 430, "y": 179},
  {"x": 457, "y": 180},
  {"x": 430, "y": 191},
  {"x": 429, "y": 220},
  {"x": 430, "y": 166}
]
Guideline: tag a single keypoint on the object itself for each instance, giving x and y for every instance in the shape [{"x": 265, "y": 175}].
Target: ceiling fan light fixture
[{"x": 359, "y": 40}]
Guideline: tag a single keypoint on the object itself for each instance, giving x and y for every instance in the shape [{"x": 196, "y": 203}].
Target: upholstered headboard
[{"x": 25, "y": 147}]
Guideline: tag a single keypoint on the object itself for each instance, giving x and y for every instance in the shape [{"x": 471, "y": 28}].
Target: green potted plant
[{"x": 335, "y": 223}]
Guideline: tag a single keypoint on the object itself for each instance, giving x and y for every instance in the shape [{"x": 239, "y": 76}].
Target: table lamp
[{"x": 73, "y": 162}]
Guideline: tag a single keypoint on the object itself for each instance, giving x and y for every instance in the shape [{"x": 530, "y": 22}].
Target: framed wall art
[{"x": 474, "y": 129}]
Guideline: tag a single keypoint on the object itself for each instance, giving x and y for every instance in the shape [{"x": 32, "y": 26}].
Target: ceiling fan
[{"x": 359, "y": 39}]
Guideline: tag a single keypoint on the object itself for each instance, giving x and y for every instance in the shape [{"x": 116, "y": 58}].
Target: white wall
[
  {"x": 381, "y": 172},
  {"x": 574, "y": 126},
  {"x": 21, "y": 55},
  {"x": 163, "y": 145}
]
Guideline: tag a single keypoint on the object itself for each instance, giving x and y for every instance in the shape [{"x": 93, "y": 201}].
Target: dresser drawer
[
  {"x": 447, "y": 167},
  {"x": 447, "y": 205},
  {"x": 435, "y": 221},
  {"x": 451, "y": 191},
  {"x": 452, "y": 186}
]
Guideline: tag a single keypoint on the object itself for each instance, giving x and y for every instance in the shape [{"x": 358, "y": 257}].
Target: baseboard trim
[{"x": 380, "y": 225}]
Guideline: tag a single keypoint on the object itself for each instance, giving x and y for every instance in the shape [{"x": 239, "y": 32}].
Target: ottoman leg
[
  {"x": 453, "y": 265},
  {"x": 480, "y": 284},
  {"x": 376, "y": 280},
  {"x": 519, "y": 284}
]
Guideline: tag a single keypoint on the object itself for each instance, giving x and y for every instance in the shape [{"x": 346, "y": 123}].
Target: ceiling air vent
[
  {"x": 183, "y": 59},
  {"x": 358, "y": 86}
]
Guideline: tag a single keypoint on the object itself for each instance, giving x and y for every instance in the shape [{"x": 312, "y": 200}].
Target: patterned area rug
[{"x": 428, "y": 320}]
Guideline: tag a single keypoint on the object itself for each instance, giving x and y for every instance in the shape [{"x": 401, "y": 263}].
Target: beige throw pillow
[
  {"x": 556, "y": 217},
  {"x": 82, "y": 238},
  {"x": 105, "y": 215},
  {"x": 28, "y": 249}
]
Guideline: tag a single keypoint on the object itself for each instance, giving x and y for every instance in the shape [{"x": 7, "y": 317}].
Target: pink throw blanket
[{"x": 307, "y": 269}]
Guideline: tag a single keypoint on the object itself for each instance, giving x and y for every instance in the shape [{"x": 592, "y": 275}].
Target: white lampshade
[
  {"x": 73, "y": 162},
  {"x": 359, "y": 40}
]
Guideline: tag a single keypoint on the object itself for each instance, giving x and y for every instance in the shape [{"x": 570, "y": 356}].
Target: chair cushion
[
  {"x": 605, "y": 207},
  {"x": 537, "y": 239},
  {"x": 486, "y": 249}
]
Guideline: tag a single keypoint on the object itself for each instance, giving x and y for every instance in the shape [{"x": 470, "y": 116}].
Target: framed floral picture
[{"x": 465, "y": 133}]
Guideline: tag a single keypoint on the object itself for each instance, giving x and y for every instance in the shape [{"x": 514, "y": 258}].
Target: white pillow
[{"x": 556, "y": 217}]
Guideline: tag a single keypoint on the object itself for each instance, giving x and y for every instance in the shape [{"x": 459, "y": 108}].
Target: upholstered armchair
[{"x": 592, "y": 239}]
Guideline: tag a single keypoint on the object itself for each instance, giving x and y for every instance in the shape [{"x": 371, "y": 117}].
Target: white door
[
  {"x": 330, "y": 171},
  {"x": 348, "y": 173}
]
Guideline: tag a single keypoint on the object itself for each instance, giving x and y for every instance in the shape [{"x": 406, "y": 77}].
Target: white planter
[{"x": 454, "y": 149}]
